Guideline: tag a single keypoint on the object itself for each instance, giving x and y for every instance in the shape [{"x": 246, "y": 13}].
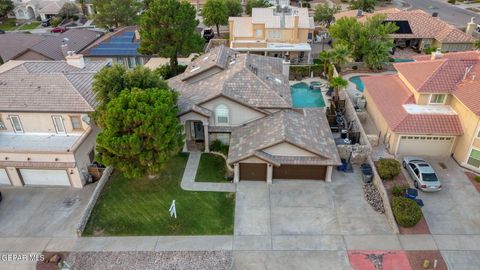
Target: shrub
[
  {"x": 477, "y": 178},
  {"x": 399, "y": 191},
  {"x": 406, "y": 211},
  {"x": 166, "y": 72},
  {"x": 56, "y": 21},
  {"x": 219, "y": 146},
  {"x": 452, "y": 2},
  {"x": 354, "y": 67},
  {"x": 388, "y": 168},
  {"x": 430, "y": 50}
]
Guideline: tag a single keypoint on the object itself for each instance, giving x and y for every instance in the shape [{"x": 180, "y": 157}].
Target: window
[
  {"x": 222, "y": 114},
  {"x": 274, "y": 34},
  {"x": 474, "y": 158},
  {"x": 76, "y": 122},
  {"x": 16, "y": 124},
  {"x": 437, "y": 98},
  {"x": 259, "y": 33},
  {"x": 58, "y": 123}
]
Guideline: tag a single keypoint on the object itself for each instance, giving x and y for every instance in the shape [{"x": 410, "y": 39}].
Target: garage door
[
  {"x": 253, "y": 171},
  {"x": 299, "y": 172},
  {"x": 45, "y": 177},
  {"x": 4, "y": 177},
  {"x": 425, "y": 145}
]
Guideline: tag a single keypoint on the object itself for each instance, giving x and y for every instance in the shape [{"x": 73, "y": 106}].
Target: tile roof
[
  {"x": 47, "y": 86},
  {"x": 458, "y": 74},
  {"x": 422, "y": 24},
  {"x": 14, "y": 44},
  {"x": 390, "y": 94},
  {"x": 253, "y": 80},
  {"x": 307, "y": 129}
]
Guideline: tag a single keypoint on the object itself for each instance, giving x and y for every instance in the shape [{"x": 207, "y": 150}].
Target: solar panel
[{"x": 122, "y": 45}]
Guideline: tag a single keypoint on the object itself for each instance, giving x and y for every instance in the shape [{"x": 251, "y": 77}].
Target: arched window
[{"x": 222, "y": 115}]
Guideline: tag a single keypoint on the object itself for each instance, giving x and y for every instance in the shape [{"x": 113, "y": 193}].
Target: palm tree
[
  {"x": 337, "y": 83},
  {"x": 340, "y": 55},
  {"x": 325, "y": 59}
]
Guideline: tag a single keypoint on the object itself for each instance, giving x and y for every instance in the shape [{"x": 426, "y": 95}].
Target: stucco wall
[
  {"x": 81, "y": 154},
  {"x": 470, "y": 122},
  {"x": 41, "y": 122},
  {"x": 239, "y": 114},
  {"x": 286, "y": 149},
  {"x": 253, "y": 160}
]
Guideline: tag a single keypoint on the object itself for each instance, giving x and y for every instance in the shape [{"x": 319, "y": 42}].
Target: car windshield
[{"x": 429, "y": 177}]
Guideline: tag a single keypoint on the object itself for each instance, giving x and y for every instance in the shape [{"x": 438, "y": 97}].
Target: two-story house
[
  {"x": 431, "y": 107},
  {"x": 244, "y": 100},
  {"x": 280, "y": 31},
  {"x": 46, "y": 136}
]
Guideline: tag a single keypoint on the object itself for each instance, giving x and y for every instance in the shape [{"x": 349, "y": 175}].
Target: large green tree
[
  {"x": 370, "y": 40},
  {"x": 235, "y": 8},
  {"x": 5, "y": 7},
  {"x": 215, "y": 12},
  {"x": 168, "y": 28},
  {"x": 325, "y": 14},
  {"x": 141, "y": 131},
  {"x": 337, "y": 83},
  {"x": 340, "y": 55},
  {"x": 109, "y": 82},
  {"x": 255, "y": 4},
  {"x": 365, "y": 5},
  {"x": 116, "y": 13}
]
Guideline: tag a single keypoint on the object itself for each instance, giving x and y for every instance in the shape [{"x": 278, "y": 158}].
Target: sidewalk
[{"x": 188, "y": 179}]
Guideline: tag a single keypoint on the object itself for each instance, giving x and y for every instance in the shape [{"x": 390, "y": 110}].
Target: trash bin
[{"x": 367, "y": 173}]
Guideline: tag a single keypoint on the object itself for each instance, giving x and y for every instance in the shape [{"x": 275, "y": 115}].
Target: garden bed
[
  {"x": 417, "y": 257},
  {"x": 140, "y": 206},
  {"x": 471, "y": 176}
]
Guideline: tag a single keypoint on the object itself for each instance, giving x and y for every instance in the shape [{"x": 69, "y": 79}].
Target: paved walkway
[{"x": 188, "y": 179}]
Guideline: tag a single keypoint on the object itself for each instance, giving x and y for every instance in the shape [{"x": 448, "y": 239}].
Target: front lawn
[
  {"x": 140, "y": 207},
  {"x": 30, "y": 26},
  {"x": 211, "y": 169},
  {"x": 7, "y": 24}
]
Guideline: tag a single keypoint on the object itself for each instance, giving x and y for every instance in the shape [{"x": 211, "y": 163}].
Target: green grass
[
  {"x": 8, "y": 24},
  {"x": 140, "y": 207},
  {"x": 30, "y": 26},
  {"x": 211, "y": 169}
]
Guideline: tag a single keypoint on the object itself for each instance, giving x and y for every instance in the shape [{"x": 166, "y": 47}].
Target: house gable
[
  {"x": 287, "y": 149},
  {"x": 238, "y": 113}
]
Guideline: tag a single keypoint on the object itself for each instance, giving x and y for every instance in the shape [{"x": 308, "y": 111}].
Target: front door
[{"x": 198, "y": 133}]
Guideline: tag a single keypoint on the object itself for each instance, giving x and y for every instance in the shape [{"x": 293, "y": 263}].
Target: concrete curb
[{"x": 93, "y": 200}]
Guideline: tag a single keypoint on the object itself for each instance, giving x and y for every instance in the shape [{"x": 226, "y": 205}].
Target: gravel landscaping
[
  {"x": 146, "y": 260},
  {"x": 373, "y": 197}
]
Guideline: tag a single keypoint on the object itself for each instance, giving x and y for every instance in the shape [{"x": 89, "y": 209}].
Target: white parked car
[{"x": 423, "y": 175}]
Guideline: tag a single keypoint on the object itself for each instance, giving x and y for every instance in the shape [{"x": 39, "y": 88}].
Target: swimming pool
[
  {"x": 399, "y": 60},
  {"x": 358, "y": 82},
  {"x": 303, "y": 97}
]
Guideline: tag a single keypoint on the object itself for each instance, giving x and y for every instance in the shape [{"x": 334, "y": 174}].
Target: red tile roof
[{"x": 389, "y": 94}]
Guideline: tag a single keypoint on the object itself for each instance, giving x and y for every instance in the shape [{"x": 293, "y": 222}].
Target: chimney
[
  {"x": 435, "y": 14},
  {"x": 437, "y": 54},
  {"x": 471, "y": 27},
  {"x": 286, "y": 68},
  {"x": 75, "y": 60},
  {"x": 137, "y": 35}
]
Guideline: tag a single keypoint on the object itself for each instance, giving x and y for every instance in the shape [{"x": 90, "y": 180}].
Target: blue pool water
[
  {"x": 358, "y": 82},
  {"x": 303, "y": 97},
  {"x": 398, "y": 60}
]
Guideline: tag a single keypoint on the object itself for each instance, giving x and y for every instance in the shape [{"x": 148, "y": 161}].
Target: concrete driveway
[
  {"x": 42, "y": 212},
  {"x": 301, "y": 224},
  {"x": 453, "y": 210}
]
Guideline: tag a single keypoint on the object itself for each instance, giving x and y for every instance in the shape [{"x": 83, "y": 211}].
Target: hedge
[
  {"x": 388, "y": 168},
  {"x": 406, "y": 211},
  {"x": 300, "y": 72},
  {"x": 399, "y": 191}
]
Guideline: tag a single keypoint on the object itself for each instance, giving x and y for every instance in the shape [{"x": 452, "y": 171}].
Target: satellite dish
[{"x": 86, "y": 119}]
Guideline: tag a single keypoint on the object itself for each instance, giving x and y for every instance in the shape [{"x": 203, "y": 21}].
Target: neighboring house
[
  {"x": 431, "y": 107},
  {"x": 244, "y": 100},
  {"x": 420, "y": 30},
  {"x": 31, "y": 9},
  {"x": 21, "y": 46},
  {"x": 46, "y": 137},
  {"x": 276, "y": 31},
  {"x": 119, "y": 47}
]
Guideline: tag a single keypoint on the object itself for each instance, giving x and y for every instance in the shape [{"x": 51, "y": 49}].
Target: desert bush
[
  {"x": 388, "y": 168},
  {"x": 399, "y": 191},
  {"x": 406, "y": 211}
]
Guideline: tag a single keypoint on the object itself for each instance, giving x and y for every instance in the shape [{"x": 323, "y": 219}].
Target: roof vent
[
  {"x": 435, "y": 14},
  {"x": 467, "y": 70}
]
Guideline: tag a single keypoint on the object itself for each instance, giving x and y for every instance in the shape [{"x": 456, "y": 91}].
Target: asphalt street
[{"x": 447, "y": 12}]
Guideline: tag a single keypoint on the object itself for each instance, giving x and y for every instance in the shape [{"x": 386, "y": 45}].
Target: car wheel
[
  {"x": 404, "y": 165},
  {"x": 415, "y": 184}
]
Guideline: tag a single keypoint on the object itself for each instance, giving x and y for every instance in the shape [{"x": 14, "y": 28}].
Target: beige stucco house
[
  {"x": 420, "y": 30},
  {"x": 430, "y": 108},
  {"x": 46, "y": 137},
  {"x": 275, "y": 31},
  {"x": 244, "y": 100}
]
